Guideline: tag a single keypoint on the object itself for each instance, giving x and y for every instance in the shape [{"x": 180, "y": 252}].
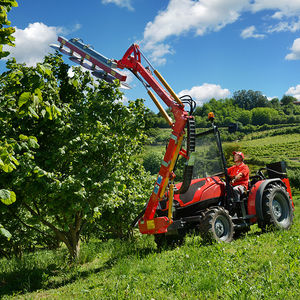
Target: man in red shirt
[{"x": 239, "y": 175}]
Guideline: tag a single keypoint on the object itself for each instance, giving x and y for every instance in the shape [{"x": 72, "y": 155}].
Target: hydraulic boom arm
[{"x": 107, "y": 69}]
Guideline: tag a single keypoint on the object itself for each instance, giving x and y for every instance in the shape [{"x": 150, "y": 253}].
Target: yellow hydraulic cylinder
[
  {"x": 171, "y": 195},
  {"x": 162, "y": 80},
  {"x": 172, "y": 164},
  {"x": 161, "y": 109}
]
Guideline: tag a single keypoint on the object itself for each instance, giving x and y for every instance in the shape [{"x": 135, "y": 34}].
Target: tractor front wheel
[
  {"x": 217, "y": 225},
  {"x": 276, "y": 208}
]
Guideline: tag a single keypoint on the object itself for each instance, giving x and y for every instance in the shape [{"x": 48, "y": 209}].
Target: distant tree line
[{"x": 246, "y": 107}]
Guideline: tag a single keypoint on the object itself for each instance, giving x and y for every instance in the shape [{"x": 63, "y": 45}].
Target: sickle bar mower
[{"x": 90, "y": 59}]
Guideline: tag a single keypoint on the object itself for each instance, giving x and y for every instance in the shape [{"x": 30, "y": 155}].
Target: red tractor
[{"x": 204, "y": 200}]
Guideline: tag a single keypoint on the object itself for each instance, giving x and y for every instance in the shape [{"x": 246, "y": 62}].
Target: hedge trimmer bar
[{"x": 90, "y": 59}]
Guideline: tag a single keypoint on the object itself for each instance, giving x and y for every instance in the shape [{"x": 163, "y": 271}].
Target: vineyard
[{"x": 271, "y": 148}]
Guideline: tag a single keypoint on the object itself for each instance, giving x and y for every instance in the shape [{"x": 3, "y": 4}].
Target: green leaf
[
  {"x": 39, "y": 172},
  {"x": 55, "y": 111},
  {"x": 32, "y": 142},
  {"x": 7, "y": 168},
  {"x": 33, "y": 112},
  {"x": 14, "y": 160},
  {"x": 39, "y": 94},
  {"x": 24, "y": 98},
  {"x": 5, "y": 232},
  {"x": 36, "y": 100},
  {"x": 43, "y": 112},
  {"x": 23, "y": 137},
  {"x": 48, "y": 109},
  {"x": 7, "y": 197},
  {"x": 81, "y": 193},
  {"x": 14, "y": 3},
  {"x": 45, "y": 69}
]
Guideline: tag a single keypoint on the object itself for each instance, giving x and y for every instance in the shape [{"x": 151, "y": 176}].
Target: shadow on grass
[
  {"x": 53, "y": 276},
  {"x": 24, "y": 280}
]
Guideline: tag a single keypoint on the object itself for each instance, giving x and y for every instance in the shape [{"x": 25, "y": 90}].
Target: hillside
[{"x": 255, "y": 266}]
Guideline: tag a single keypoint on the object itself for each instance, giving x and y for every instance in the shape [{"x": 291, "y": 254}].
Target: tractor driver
[{"x": 239, "y": 175}]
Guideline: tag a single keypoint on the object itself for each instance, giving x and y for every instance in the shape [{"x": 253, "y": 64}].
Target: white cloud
[
  {"x": 205, "y": 92},
  {"x": 249, "y": 32},
  {"x": 182, "y": 16},
  {"x": 295, "y": 54},
  {"x": 121, "y": 3},
  {"x": 271, "y": 98},
  {"x": 294, "y": 91},
  {"x": 204, "y": 16},
  {"x": 293, "y": 26},
  {"x": 32, "y": 43},
  {"x": 158, "y": 51},
  {"x": 282, "y": 8}
]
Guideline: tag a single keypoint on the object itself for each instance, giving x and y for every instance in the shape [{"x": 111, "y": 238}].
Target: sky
[{"x": 205, "y": 48}]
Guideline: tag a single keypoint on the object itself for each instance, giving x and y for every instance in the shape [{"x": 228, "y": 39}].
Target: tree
[
  {"x": 7, "y": 160},
  {"x": 287, "y": 100},
  {"x": 275, "y": 103},
  {"x": 249, "y": 99},
  {"x": 245, "y": 117},
  {"x": 263, "y": 115},
  {"x": 25, "y": 236},
  {"x": 75, "y": 142},
  {"x": 6, "y": 31}
]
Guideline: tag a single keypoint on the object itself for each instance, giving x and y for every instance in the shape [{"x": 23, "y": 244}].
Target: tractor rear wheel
[
  {"x": 276, "y": 208},
  {"x": 217, "y": 225}
]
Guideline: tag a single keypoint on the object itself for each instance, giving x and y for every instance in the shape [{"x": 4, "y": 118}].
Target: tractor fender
[{"x": 258, "y": 191}]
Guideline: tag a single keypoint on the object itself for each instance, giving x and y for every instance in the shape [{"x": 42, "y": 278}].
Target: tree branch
[
  {"x": 45, "y": 222},
  {"x": 26, "y": 225}
]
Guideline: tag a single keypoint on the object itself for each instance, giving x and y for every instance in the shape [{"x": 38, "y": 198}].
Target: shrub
[
  {"x": 152, "y": 162},
  {"x": 228, "y": 149},
  {"x": 294, "y": 177}
]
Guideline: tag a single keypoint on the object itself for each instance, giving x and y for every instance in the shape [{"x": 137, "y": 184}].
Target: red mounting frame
[{"x": 148, "y": 224}]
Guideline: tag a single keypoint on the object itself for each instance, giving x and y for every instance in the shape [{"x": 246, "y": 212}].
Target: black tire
[
  {"x": 276, "y": 208},
  {"x": 217, "y": 225}
]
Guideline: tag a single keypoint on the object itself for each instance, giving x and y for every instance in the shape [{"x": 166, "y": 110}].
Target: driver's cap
[{"x": 239, "y": 153}]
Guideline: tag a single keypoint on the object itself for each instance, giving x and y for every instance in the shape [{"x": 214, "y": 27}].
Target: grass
[{"x": 256, "y": 266}]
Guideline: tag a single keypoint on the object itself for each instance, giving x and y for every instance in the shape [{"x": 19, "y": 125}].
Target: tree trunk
[
  {"x": 70, "y": 238},
  {"x": 73, "y": 244}
]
